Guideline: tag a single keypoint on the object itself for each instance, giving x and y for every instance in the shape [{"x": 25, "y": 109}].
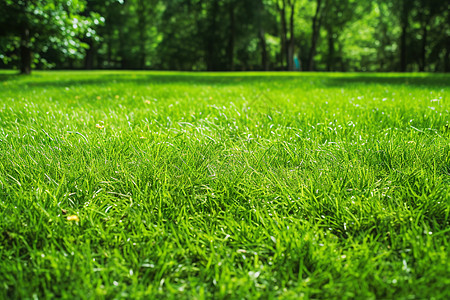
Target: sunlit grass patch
[{"x": 255, "y": 185}]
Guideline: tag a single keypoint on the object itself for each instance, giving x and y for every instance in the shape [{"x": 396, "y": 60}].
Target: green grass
[{"x": 224, "y": 185}]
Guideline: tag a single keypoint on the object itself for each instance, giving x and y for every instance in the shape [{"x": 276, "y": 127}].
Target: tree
[
  {"x": 33, "y": 27},
  {"x": 404, "y": 15},
  {"x": 338, "y": 14},
  {"x": 383, "y": 35},
  {"x": 425, "y": 14},
  {"x": 262, "y": 18},
  {"x": 182, "y": 27},
  {"x": 101, "y": 7},
  {"x": 316, "y": 25},
  {"x": 286, "y": 10}
]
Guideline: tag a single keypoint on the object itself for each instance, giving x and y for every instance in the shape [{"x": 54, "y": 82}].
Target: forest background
[{"x": 226, "y": 35}]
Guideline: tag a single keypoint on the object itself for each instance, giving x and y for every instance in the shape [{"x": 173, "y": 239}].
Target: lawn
[{"x": 224, "y": 185}]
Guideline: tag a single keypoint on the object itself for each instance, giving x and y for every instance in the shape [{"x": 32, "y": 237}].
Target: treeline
[{"x": 216, "y": 35}]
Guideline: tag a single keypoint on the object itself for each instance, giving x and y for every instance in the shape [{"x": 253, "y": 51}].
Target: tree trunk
[
  {"x": 404, "y": 26},
  {"x": 290, "y": 55},
  {"x": 89, "y": 58},
  {"x": 284, "y": 50},
  {"x": 403, "y": 62},
  {"x": 109, "y": 48},
  {"x": 330, "y": 61},
  {"x": 315, "y": 36},
  {"x": 26, "y": 56},
  {"x": 122, "y": 50},
  {"x": 423, "y": 63},
  {"x": 380, "y": 51},
  {"x": 124, "y": 40},
  {"x": 211, "y": 57},
  {"x": 290, "y": 42},
  {"x": 142, "y": 24},
  {"x": 263, "y": 45},
  {"x": 231, "y": 36},
  {"x": 447, "y": 60}
]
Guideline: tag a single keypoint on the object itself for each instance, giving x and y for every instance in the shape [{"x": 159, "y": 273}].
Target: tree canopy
[
  {"x": 309, "y": 35},
  {"x": 40, "y": 31}
]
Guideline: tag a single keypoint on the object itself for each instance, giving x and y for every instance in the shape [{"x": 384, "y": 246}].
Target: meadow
[{"x": 224, "y": 185}]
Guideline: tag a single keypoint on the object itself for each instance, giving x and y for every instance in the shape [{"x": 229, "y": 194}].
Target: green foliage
[
  {"x": 50, "y": 26},
  {"x": 349, "y": 35},
  {"x": 197, "y": 185}
]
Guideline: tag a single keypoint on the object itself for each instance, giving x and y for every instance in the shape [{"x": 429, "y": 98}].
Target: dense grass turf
[{"x": 224, "y": 185}]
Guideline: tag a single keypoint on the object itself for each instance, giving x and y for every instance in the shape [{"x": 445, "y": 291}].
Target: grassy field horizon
[{"x": 138, "y": 184}]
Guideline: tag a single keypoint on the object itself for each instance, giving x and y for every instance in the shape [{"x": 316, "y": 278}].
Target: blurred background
[{"x": 226, "y": 35}]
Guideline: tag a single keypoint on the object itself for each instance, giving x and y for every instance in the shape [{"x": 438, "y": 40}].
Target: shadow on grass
[
  {"x": 422, "y": 80},
  {"x": 213, "y": 79},
  {"x": 9, "y": 77},
  {"x": 165, "y": 79}
]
